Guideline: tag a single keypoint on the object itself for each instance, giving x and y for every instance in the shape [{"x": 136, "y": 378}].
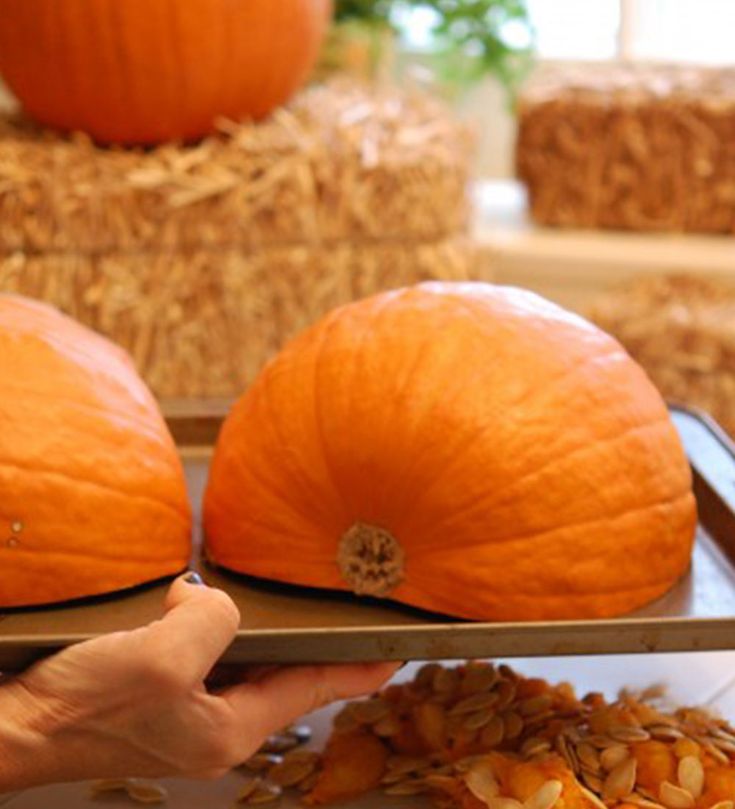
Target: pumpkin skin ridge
[
  {"x": 247, "y": 472},
  {"x": 335, "y": 494},
  {"x": 121, "y": 418},
  {"x": 379, "y": 306},
  {"x": 522, "y": 539},
  {"x": 480, "y": 504},
  {"x": 552, "y": 459},
  {"x": 185, "y": 517}
]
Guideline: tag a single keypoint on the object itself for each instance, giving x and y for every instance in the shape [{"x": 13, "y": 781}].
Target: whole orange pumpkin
[
  {"x": 146, "y": 71},
  {"x": 92, "y": 492},
  {"x": 470, "y": 449}
]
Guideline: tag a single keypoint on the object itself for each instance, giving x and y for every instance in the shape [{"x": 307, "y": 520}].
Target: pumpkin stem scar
[{"x": 370, "y": 560}]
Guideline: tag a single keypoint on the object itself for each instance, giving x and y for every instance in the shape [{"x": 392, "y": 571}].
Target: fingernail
[{"x": 192, "y": 577}]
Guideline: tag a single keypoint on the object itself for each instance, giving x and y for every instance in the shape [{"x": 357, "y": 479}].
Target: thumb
[
  {"x": 279, "y": 698},
  {"x": 199, "y": 624}
]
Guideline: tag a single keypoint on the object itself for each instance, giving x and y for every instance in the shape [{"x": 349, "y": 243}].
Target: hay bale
[
  {"x": 202, "y": 260},
  {"x": 201, "y": 324},
  {"x": 681, "y": 329},
  {"x": 646, "y": 148},
  {"x": 342, "y": 162}
]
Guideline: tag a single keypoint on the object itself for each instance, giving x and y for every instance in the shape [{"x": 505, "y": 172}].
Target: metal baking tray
[{"x": 286, "y": 624}]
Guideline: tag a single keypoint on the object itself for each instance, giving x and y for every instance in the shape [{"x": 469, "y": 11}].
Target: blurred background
[{"x": 585, "y": 150}]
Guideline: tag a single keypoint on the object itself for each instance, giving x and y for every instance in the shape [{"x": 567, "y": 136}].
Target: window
[{"x": 699, "y": 31}]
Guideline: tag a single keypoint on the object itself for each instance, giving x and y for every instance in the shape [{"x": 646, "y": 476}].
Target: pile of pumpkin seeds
[
  {"x": 280, "y": 764},
  {"x": 482, "y": 708}
]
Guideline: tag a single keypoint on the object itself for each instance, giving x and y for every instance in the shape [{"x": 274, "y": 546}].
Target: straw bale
[
  {"x": 341, "y": 162},
  {"x": 202, "y": 323},
  {"x": 681, "y": 329},
  {"x": 632, "y": 147}
]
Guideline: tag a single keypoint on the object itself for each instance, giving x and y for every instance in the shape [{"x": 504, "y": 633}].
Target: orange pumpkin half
[
  {"x": 470, "y": 449},
  {"x": 92, "y": 492}
]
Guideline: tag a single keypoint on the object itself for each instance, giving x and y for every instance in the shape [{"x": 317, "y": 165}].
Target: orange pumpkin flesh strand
[
  {"x": 523, "y": 464},
  {"x": 92, "y": 492},
  {"x": 148, "y": 71}
]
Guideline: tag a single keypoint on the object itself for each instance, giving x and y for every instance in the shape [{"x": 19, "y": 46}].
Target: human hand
[{"x": 135, "y": 703}]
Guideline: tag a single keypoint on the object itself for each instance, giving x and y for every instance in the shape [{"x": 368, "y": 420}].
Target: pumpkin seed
[
  {"x": 248, "y": 788},
  {"x": 445, "y": 681},
  {"x": 478, "y": 677},
  {"x": 610, "y": 757},
  {"x": 628, "y": 734},
  {"x": 492, "y": 734},
  {"x": 387, "y": 726},
  {"x": 506, "y": 691},
  {"x": 512, "y": 725},
  {"x": 504, "y": 803},
  {"x": 346, "y": 720},
  {"x": 646, "y": 793},
  {"x": 475, "y": 702},
  {"x": 463, "y": 765},
  {"x": 442, "y": 782},
  {"x": 664, "y": 733},
  {"x": 645, "y": 803},
  {"x": 620, "y": 781},
  {"x": 370, "y": 711},
  {"x": 653, "y": 692},
  {"x": 145, "y": 791},
  {"x": 278, "y": 743},
  {"x": 572, "y": 734},
  {"x": 675, "y": 797},
  {"x": 403, "y": 765},
  {"x": 723, "y": 805},
  {"x": 588, "y": 757},
  {"x": 264, "y": 793},
  {"x": 425, "y": 675},
  {"x": 599, "y": 741},
  {"x": 565, "y": 751},
  {"x": 594, "y": 782},
  {"x": 591, "y": 797},
  {"x": 721, "y": 733},
  {"x": 690, "y": 773},
  {"x": 535, "y": 745},
  {"x": 725, "y": 745},
  {"x": 409, "y": 787},
  {"x": 481, "y": 781},
  {"x": 261, "y": 762},
  {"x": 507, "y": 672},
  {"x": 715, "y": 752},
  {"x": 539, "y": 720},
  {"x": 545, "y": 796},
  {"x": 534, "y": 705},
  {"x": 108, "y": 785},
  {"x": 309, "y": 782},
  {"x": 477, "y": 720},
  {"x": 291, "y": 772}
]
